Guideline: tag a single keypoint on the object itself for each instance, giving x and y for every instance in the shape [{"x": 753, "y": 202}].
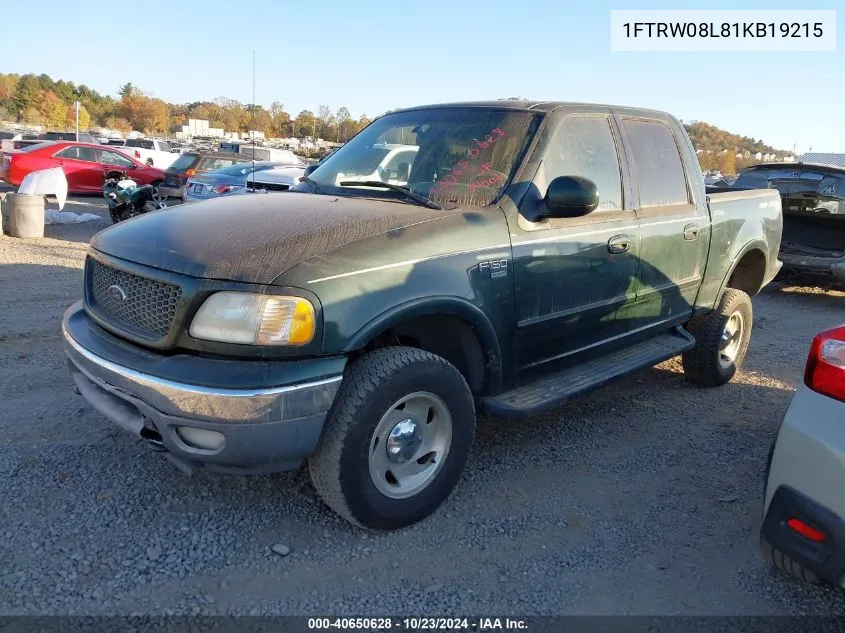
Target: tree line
[
  {"x": 718, "y": 149},
  {"x": 39, "y": 100}
]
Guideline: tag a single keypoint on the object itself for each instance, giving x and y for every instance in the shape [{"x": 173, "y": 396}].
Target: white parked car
[
  {"x": 803, "y": 529},
  {"x": 280, "y": 178},
  {"x": 270, "y": 154},
  {"x": 241, "y": 178},
  {"x": 386, "y": 162},
  {"x": 151, "y": 151}
]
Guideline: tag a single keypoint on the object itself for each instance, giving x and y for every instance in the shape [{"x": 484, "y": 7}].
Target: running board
[{"x": 551, "y": 391}]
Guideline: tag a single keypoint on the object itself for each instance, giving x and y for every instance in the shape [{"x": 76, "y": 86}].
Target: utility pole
[{"x": 76, "y": 104}]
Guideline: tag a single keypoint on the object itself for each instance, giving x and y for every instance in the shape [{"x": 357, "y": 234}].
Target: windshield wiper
[
  {"x": 403, "y": 190},
  {"x": 308, "y": 181}
]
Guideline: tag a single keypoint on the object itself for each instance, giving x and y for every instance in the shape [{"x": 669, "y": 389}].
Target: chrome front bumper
[{"x": 246, "y": 429}]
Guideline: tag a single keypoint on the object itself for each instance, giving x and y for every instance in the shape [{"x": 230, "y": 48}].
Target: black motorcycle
[{"x": 126, "y": 199}]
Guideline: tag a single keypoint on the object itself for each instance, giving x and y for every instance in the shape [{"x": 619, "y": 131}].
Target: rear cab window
[
  {"x": 660, "y": 175},
  {"x": 183, "y": 163},
  {"x": 140, "y": 143}
]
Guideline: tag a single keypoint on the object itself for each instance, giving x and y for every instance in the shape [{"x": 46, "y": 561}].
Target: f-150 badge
[{"x": 495, "y": 268}]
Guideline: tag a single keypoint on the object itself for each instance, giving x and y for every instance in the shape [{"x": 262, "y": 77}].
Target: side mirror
[{"x": 571, "y": 197}]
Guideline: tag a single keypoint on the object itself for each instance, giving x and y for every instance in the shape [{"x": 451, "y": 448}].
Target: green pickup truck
[{"x": 497, "y": 257}]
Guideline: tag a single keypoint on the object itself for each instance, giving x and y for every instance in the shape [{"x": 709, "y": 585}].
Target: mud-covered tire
[
  {"x": 786, "y": 564},
  {"x": 340, "y": 467},
  {"x": 705, "y": 364}
]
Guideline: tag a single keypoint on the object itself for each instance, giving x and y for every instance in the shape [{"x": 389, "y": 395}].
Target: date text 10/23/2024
[{"x": 418, "y": 624}]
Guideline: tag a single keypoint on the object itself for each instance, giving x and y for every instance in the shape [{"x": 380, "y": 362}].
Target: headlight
[{"x": 254, "y": 319}]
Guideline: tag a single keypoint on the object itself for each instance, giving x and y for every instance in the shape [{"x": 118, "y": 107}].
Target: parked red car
[{"x": 84, "y": 165}]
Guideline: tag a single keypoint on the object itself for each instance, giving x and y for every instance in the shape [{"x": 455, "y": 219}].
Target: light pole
[{"x": 76, "y": 104}]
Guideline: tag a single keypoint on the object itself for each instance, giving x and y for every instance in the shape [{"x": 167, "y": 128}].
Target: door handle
[
  {"x": 691, "y": 232},
  {"x": 619, "y": 244}
]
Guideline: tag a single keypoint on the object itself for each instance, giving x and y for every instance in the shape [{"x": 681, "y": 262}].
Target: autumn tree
[
  {"x": 280, "y": 123},
  {"x": 346, "y": 125},
  {"x": 84, "y": 118},
  {"x": 143, "y": 113},
  {"x": 119, "y": 124},
  {"x": 305, "y": 124},
  {"x": 128, "y": 90},
  {"x": 326, "y": 123},
  {"x": 27, "y": 93},
  {"x": 53, "y": 110},
  {"x": 33, "y": 116},
  {"x": 8, "y": 84},
  {"x": 727, "y": 162}
]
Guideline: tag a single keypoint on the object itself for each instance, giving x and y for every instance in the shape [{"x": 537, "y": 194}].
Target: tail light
[
  {"x": 226, "y": 188},
  {"x": 825, "y": 369},
  {"x": 189, "y": 173}
]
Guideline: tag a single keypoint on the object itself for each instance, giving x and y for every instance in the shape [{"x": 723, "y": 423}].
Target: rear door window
[
  {"x": 76, "y": 152},
  {"x": 657, "y": 163},
  {"x": 116, "y": 159}
]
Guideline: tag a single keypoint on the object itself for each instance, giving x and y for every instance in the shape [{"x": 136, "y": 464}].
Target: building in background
[{"x": 817, "y": 158}]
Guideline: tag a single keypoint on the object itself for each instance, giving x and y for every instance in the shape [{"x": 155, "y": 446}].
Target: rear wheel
[
  {"x": 721, "y": 340},
  {"x": 396, "y": 440},
  {"x": 159, "y": 201}
]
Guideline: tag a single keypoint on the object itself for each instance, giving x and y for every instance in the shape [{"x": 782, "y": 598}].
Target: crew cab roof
[{"x": 541, "y": 106}]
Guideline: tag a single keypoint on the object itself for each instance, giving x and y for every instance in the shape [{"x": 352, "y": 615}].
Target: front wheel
[
  {"x": 721, "y": 340},
  {"x": 396, "y": 439}
]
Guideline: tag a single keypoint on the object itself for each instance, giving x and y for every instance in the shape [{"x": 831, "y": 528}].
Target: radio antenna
[{"x": 252, "y": 132}]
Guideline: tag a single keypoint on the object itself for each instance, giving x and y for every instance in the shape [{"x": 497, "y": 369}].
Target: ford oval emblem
[{"x": 116, "y": 292}]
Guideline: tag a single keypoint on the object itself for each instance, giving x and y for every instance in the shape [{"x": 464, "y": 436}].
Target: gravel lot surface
[{"x": 643, "y": 497}]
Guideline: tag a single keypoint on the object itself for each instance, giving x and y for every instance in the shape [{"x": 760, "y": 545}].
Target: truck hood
[{"x": 253, "y": 238}]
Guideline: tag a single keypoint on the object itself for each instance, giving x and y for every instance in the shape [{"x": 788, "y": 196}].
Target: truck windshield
[
  {"x": 141, "y": 143},
  {"x": 456, "y": 156}
]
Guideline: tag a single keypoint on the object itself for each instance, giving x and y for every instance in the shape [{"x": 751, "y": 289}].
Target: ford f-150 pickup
[{"x": 525, "y": 253}]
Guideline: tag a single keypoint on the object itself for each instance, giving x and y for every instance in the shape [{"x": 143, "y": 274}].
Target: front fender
[{"x": 449, "y": 305}]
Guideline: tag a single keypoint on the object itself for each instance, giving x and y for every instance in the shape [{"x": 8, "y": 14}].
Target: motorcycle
[{"x": 126, "y": 199}]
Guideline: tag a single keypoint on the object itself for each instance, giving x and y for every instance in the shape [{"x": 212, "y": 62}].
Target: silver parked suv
[{"x": 803, "y": 529}]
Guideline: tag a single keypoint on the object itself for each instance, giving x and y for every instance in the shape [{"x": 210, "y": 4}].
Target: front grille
[
  {"x": 130, "y": 300},
  {"x": 271, "y": 186}
]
